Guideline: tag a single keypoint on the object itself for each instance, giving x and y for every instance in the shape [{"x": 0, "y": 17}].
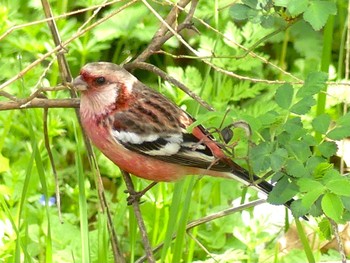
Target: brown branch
[
  {"x": 40, "y": 103},
  {"x": 67, "y": 78},
  {"x": 53, "y": 166},
  {"x": 138, "y": 215},
  {"x": 339, "y": 240},
  {"x": 16, "y": 27},
  {"x": 209, "y": 218},
  {"x": 165, "y": 76},
  {"x": 160, "y": 37}
]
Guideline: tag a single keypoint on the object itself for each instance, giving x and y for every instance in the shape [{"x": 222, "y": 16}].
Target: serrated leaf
[
  {"x": 307, "y": 184},
  {"x": 332, "y": 206},
  {"x": 278, "y": 158},
  {"x": 250, "y": 3},
  {"x": 303, "y": 106},
  {"x": 339, "y": 186},
  {"x": 318, "y": 12},
  {"x": 300, "y": 150},
  {"x": 282, "y": 192},
  {"x": 295, "y": 168},
  {"x": 321, "y": 123},
  {"x": 260, "y": 157},
  {"x": 297, "y": 7},
  {"x": 298, "y": 209},
  {"x": 328, "y": 149},
  {"x": 284, "y": 96},
  {"x": 295, "y": 128},
  {"x": 269, "y": 117},
  {"x": 325, "y": 228},
  {"x": 322, "y": 169},
  {"x": 344, "y": 120},
  {"x": 346, "y": 202},
  {"x": 310, "y": 198},
  {"x": 339, "y": 133},
  {"x": 314, "y": 83},
  {"x": 239, "y": 11}
]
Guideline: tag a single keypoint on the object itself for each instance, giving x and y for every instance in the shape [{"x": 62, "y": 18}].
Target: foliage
[{"x": 292, "y": 135}]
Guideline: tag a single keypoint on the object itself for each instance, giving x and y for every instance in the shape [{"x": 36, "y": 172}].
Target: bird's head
[{"x": 103, "y": 85}]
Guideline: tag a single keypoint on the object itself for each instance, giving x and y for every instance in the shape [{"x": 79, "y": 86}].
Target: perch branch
[
  {"x": 160, "y": 37},
  {"x": 138, "y": 215}
]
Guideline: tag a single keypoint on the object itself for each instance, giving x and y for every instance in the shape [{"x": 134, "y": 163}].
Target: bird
[{"x": 146, "y": 134}]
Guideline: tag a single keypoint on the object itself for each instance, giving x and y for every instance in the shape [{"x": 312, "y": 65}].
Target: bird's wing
[{"x": 155, "y": 130}]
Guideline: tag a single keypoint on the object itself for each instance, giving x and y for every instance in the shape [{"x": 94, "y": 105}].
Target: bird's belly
[{"x": 140, "y": 165}]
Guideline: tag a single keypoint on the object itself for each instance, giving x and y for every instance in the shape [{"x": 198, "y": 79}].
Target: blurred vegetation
[{"x": 294, "y": 127}]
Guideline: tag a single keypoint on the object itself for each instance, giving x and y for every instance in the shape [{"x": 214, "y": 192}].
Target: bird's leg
[{"x": 136, "y": 196}]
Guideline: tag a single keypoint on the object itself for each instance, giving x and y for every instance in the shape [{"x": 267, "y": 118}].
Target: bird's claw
[{"x": 134, "y": 197}]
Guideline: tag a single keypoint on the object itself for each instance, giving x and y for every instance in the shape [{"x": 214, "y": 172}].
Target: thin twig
[
  {"x": 138, "y": 215},
  {"x": 52, "y": 162},
  {"x": 339, "y": 240},
  {"x": 159, "y": 37},
  {"x": 64, "y": 44},
  {"x": 251, "y": 53},
  {"x": 40, "y": 103},
  {"x": 165, "y": 76},
  {"x": 209, "y": 218},
  {"x": 67, "y": 78},
  {"x": 16, "y": 27}
]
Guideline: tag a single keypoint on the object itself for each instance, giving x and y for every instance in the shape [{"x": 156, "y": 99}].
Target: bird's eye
[{"x": 100, "y": 80}]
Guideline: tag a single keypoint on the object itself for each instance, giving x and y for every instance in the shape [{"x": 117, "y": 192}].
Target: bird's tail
[{"x": 241, "y": 174}]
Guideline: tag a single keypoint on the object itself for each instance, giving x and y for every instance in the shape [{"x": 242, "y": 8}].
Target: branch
[
  {"x": 165, "y": 76},
  {"x": 40, "y": 103},
  {"x": 159, "y": 37},
  {"x": 209, "y": 218},
  {"x": 138, "y": 215},
  {"x": 63, "y": 45}
]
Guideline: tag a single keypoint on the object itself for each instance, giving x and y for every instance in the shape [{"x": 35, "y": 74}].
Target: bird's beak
[{"x": 79, "y": 84}]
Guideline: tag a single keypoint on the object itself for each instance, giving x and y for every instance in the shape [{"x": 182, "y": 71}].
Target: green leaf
[
  {"x": 282, "y": 192},
  {"x": 296, "y": 169},
  {"x": 339, "y": 186},
  {"x": 339, "y": 133},
  {"x": 295, "y": 128},
  {"x": 298, "y": 209},
  {"x": 322, "y": 169},
  {"x": 284, "y": 96},
  {"x": 4, "y": 164},
  {"x": 260, "y": 156},
  {"x": 310, "y": 198},
  {"x": 300, "y": 150},
  {"x": 303, "y": 106},
  {"x": 314, "y": 83},
  {"x": 239, "y": 11},
  {"x": 269, "y": 117},
  {"x": 297, "y": 7},
  {"x": 321, "y": 123},
  {"x": 318, "y": 12},
  {"x": 332, "y": 206},
  {"x": 283, "y": 3},
  {"x": 346, "y": 202},
  {"x": 328, "y": 149},
  {"x": 344, "y": 120},
  {"x": 250, "y": 3},
  {"x": 307, "y": 184},
  {"x": 278, "y": 158},
  {"x": 325, "y": 228}
]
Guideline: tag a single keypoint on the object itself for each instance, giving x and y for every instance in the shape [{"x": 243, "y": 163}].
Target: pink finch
[{"x": 146, "y": 134}]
